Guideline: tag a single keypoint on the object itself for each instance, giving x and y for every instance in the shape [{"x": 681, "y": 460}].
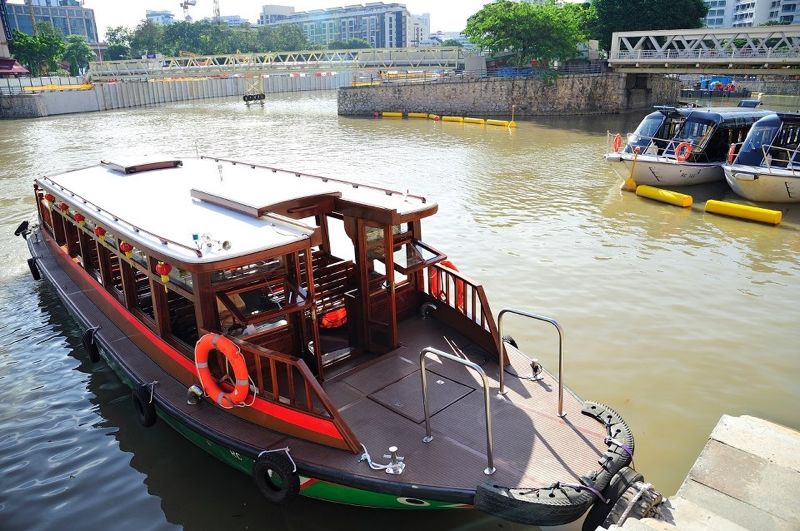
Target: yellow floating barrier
[
  {"x": 459, "y": 119},
  {"x": 388, "y": 114},
  {"x": 418, "y": 115},
  {"x": 480, "y": 121},
  {"x": 665, "y": 196},
  {"x": 501, "y": 123},
  {"x": 734, "y": 210},
  {"x": 434, "y": 117}
]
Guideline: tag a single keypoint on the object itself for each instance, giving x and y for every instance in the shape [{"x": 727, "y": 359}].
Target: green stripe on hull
[{"x": 311, "y": 487}]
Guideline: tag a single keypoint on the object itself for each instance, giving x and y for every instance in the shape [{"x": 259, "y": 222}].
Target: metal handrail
[
  {"x": 792, "y": 153},
  {"x": 490, "y": 469},
  {"x": 503, "y": 354}
]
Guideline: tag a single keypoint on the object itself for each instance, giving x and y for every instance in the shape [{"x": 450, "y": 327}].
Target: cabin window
[
  {"x": 182, "y": 320},
  {"x": 761, "y": 134},
  {"x": 259, "y": 269},
  {"x": 143, "y": 295},
  {"x": 340, "y": 243},
  {"x": 115, "y": 271},
  {"x": 92, "y": 259}
]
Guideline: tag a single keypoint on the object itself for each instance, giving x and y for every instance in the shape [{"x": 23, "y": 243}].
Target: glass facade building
[{"x": 67, "y": 16}]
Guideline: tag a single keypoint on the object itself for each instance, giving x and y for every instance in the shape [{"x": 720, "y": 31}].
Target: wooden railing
[
  {"x": 466, "y": 297},
  {"x": 287, "y": 381}
]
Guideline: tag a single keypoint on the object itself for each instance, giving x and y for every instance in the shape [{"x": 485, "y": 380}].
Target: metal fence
[{"x": 19, "y": 85}]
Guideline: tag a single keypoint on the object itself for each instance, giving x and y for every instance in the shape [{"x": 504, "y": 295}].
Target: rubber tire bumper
[
  {"x": 145, "y": 409},
  {"x": 624, "y": 479},
  {"x": 34, "y": 269},
  {"x": 274, "y": 476}
]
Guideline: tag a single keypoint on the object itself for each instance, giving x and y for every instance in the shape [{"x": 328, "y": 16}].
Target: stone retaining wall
[{"x": 567, "y": 94}]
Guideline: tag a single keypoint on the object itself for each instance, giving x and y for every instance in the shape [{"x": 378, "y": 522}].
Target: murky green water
[{"x": 672, "y": 316}]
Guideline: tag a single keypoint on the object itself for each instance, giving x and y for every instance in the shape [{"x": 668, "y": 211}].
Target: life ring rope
[
  {"x": 242, "y": 383},
  {"x": 731, "y": 153},
  {"x": 617, "y": 143}
]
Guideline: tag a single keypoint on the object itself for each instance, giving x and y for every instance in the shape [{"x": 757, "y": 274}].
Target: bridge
[
  {"x": 256, "y": 64},
  {"x": 760, "y": 50}
]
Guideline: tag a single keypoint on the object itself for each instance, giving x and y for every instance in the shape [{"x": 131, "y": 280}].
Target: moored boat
[
  {"x": 296, "y": 327},
  {"x": 680, "y": 146},
  {"x": 767, "y": 165}
]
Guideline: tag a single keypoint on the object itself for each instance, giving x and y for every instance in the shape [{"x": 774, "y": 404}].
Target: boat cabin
[
  {"x": 291, "y": 266},
  {"x": 709, "y": 132},
  {"x": 773, "y": 141}
]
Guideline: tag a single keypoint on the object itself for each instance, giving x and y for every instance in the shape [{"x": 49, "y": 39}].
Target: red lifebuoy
[
  {"x": 731, "y": 153},
  {"x": 228, "y": 348},
  {"x": 617, "y": 144},
  {"x": 683, "y": 151},
  {"x": 334, "y": 318},
  {"x": 438, "y": 292}
]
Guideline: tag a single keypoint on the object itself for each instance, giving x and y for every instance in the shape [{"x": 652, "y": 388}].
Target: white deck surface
[{"x": 160, "y": 202}]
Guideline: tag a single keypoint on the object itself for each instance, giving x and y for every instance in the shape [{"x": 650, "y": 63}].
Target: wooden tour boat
[
  {"x": 297, "y": 328},
  {"x": 767, "y": 165},
  {"x": 680, "y": 146}
]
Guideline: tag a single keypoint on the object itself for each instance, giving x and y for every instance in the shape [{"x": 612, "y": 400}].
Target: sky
[{"x": 446, "y": 15}]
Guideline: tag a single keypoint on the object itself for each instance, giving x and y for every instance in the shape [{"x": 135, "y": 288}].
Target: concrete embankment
[
  {"x": 120, "y": 95},
  {"x": 746, "y": 477},
  {"x": 565, "y": 94}
]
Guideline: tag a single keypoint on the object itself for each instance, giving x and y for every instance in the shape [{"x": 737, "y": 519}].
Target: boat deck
[{"x": 381, "y": 399}]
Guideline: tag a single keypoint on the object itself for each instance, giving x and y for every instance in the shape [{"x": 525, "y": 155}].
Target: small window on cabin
[
  {"x": 233, "y": 324},
  {"x": 116, "y": 275},
  {"x": 93, "y": 261},
  {"x": 263, "y": 268},
  {"x": 143, "y": 295},
  {"x": 139, "y": 257},
  {"x": 341, "y": 244},
  {"x": 181, "y": 278},
  {"x": 182, "y": 320}
]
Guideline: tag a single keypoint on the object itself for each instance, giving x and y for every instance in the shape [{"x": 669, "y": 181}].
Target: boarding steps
[{"x": 746, "y": 477}]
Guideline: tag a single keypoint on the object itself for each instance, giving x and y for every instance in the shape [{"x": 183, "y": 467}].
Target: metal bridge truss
[
  {"x": 276, "y": 62},
  {"x": 761, "y": 50}
]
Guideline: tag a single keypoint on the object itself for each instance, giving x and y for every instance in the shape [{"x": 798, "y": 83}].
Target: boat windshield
[
  {"x": 762, "y": 134},
  {"x": 654, "y": 132},
  {"x": 696, "y": 131}
]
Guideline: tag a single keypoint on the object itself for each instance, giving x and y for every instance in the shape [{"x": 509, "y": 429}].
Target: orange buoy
[
  {"x": 438, "y": 291},
  {"x": 334, "y": 318},
  {"x": 683, "y": 151},
  {"x": 234, "y": 357}
]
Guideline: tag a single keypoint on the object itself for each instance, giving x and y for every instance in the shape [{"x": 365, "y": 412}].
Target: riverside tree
[
  {"x": 637, "y": 15},
  {"x": 40, "y": 52},
  {"x": 119, "y": 43},
  {"x": 543, "y": 32},
  {"x": 78, "y": 54}
]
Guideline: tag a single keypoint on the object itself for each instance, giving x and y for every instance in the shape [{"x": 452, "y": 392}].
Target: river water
[{"x": 672, "y": 316}]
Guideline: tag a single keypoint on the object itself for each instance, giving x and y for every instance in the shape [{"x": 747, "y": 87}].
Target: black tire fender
[
  {"x": 145, "y": 409},
  {"x": 90, "y": 345},
  {"x": 275, "y": 477},
  {"x": 616, "y": 488},
  {"x": 510, "y": 340},
  {"x": 34, "y": 269}
]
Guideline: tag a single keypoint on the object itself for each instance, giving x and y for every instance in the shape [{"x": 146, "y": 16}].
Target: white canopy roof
[{"x": 159, "y": 203}]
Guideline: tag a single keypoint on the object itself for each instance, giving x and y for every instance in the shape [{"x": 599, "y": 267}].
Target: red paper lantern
[
  {"x": 50, "y": 198},
  {"x": 126, "y": 248},
  {"x": 163, "y": 269},
  {"x": 100, "y": 232},
  {"x": 63, "y": 206},
  {"x": 80, "y": 218}
]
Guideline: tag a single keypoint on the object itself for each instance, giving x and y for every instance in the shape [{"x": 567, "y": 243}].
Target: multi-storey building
[
  {"x": 67, "y": 16},
  {"x": 747, "y": 13},
  {"x": 382, "y": 25},
  {"x": 165, "y": 18},
  {"x": 273, "y": 13}
]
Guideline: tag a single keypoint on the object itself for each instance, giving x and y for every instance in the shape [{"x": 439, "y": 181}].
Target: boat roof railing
[
  {"x": 117, "y": 219},
  {"x": 352, "y": 184}
]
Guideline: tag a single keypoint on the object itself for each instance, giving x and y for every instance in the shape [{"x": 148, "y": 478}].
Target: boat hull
[
  {"x": 320, "y": 484},
  {"x": 762, "y": 185},
  {"x": 666, "y": 172}
]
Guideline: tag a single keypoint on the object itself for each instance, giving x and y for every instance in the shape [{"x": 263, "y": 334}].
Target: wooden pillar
[
  {"x": 418, "y": 280},
  {"x": 205, "y": 304},
  {"x": 388, "y": 253},
  {"x": 314, "y": 328},
  {"x": 363, "y": 278},
  {"x": 104, "y": 264},
  {"x": 85, "y": 244},
  {"x": 160, "y": 306}
]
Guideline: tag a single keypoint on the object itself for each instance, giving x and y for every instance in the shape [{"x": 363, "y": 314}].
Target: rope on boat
[
  {"x": 560, "y": 486},
  {"x": 644, "y": 487},
  {"x": 285, "y": 450},
  {"x": 152, "y": 386},
  {"x": 373, "y": 465}
]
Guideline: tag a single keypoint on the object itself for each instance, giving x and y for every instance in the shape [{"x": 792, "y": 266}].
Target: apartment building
[{"x": 748, "y": 13}]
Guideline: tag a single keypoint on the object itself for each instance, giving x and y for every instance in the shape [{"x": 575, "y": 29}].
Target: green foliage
[
  {"x": 148, "y": 37},
  {"x": 40, "y": 52},
  {"x": 78, "y": 54},
  {"x": 350, "y": 44},
  {"x": 452, "y": 43},
  {"x": 544, "y": 32},
  {"x": 638, "y": 15},
  {"x": 119, "y": 43}
]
